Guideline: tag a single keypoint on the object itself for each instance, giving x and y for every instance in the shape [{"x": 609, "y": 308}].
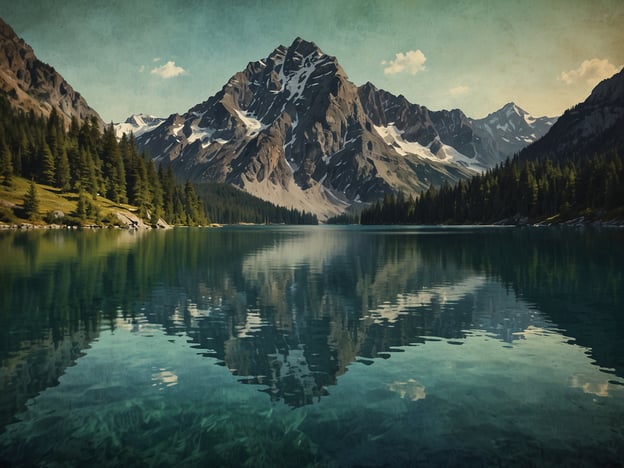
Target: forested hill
[
  {"x": 575, "y": 171},
  {"x": 95, "y": 165},
  {"x": 517, "y": 192},
  {"x": 92, "y": 164},
  {"x": 228, "y": 205}
]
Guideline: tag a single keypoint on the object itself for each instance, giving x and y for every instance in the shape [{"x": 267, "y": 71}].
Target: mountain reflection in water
[
  {"x": 291, "y": 308},
  {"x": 302, "y": 313}
]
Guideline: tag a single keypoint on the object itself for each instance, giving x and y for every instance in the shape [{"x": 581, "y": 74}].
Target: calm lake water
[{"x": 319, "y": 346}]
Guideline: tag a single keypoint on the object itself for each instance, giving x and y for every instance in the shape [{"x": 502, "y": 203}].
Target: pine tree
[
  {"x": 48, "y": 170},
  {"x": 193, "y": 206},
  {"x": 82, "y": 206},
  {"x": 113, "y": 168},
  {"x": 74, "y": 128},
  {"x": 167, "y": 182},
  {"x": 156, "y": 193},
  {"x": 63, "y": 178},
  {"x": 31, "y": 202},
  {"x": 6, "y": 165}
]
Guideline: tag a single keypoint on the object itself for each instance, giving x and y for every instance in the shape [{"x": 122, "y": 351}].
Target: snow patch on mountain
[
  {"x": 201, "y": 134},
  {"x": 450, "y": 154},
  {"x": 510, "y": 129},
  {"x": 295, "y": 82},
  {"x": 446, "y": 154},
  {"x": 253, "y": 125},
  {"x": 394, "y": 137},
  {"x": 293, "y": 130},
  {"x": 138, "y": 124}
]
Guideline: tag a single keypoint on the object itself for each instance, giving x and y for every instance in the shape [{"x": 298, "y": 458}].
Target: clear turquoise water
[{"x": 319, "y": 346}]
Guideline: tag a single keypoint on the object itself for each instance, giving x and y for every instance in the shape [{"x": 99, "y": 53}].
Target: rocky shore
[{"x": 126, "y": 220}]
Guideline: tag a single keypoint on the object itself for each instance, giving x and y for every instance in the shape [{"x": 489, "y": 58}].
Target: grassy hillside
[{"x": 102, "y": 211}]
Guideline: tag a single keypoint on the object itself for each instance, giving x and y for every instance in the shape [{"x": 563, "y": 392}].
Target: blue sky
[{"x": 160, "y": 57}]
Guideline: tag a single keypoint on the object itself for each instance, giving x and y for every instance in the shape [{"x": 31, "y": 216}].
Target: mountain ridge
[
  {"x": 573, "y": 175},
  {"x": 31, "y": 84},
  {"x": 292, "y": 129},
  {"x": 511, "y": 129},
  {"x": 593, "y": 125}
]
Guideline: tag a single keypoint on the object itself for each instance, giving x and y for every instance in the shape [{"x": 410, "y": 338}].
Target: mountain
[
  {"x": 507, "y": 131},
  {"x": 443, "y": 135},
  {"x": 30, "y": 84},
  {"x": 138, "y": 124},
  {"x": 574, "y": 174},
  {"x": 293, "y": 130},
  {"x": 483, "y": 142},
  {"x": 592, "y": 126}
]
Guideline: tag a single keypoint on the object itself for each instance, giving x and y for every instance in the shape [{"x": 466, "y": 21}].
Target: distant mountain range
[
  {"x": 507, "y": 131},
  {"x": 33, "y": 85},
  {"x": 293, "y": 130},
  {"x": 138, "y": 124},
  {"x": 574, "y": 174}
]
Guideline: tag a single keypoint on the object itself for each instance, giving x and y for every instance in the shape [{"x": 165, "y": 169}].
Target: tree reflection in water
[{"x": 290, "y": 308}]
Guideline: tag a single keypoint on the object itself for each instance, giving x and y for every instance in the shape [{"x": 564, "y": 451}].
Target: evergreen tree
[
  {"x": 193, "y": 206},
  {"x": 113, "y": 168},
  {"x": 82, "y": 206},
  {"x": 167, "y": 182},
  {"x": 48, "y": 168},
  {"x": 6, "y": 165},
  {"x": 74, "y": 128},
  {"x": 156, "y": 192},
  {"x": 31, "y": 202},
  {"x": 22, "y": 153},
  {"x": 63, "y": 177},
  {"x": 537, "y": 190}
]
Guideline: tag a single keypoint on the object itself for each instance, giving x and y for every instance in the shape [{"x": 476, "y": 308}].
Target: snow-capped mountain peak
[
  {"x": 138, "y": 124},
  {"x": 510, "y": 129},
  {"x": 292, "y": 129}
]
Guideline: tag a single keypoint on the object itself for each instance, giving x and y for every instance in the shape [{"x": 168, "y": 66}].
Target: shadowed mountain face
[
  {"x": 292, "y": 129},
  {"x": 592, "y": 126},
  {"x": 33, "y": 85}
]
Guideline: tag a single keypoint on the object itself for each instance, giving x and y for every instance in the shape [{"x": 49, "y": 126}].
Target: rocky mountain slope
[
  {"x": 33, "y": 85},
  {"x": 507, "y": 131},
  {"x": 484, "y": 142},
  {"x": 293, "y": 130},
  {"x": 592, "y": 126}
]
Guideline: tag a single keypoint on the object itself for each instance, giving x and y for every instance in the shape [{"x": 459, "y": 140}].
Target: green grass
[{"x": 51, "y": 199}]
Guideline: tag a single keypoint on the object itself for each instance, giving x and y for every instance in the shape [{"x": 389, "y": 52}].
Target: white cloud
[
  {"x": 156, "y": 59},
  {"x": 591, "y": 71},
  {"x": 168, "y": 70},
  {"x": 460, "y": 90},
  {"x": 142, "y": 68},
  {"x": 412, "y": 62}
]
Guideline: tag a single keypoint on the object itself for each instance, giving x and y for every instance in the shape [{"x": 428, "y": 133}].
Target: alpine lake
[{"x": 312, "y": 346}]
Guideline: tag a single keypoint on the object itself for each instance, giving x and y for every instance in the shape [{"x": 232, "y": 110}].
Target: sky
[{"x": 160, "y": 57}]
